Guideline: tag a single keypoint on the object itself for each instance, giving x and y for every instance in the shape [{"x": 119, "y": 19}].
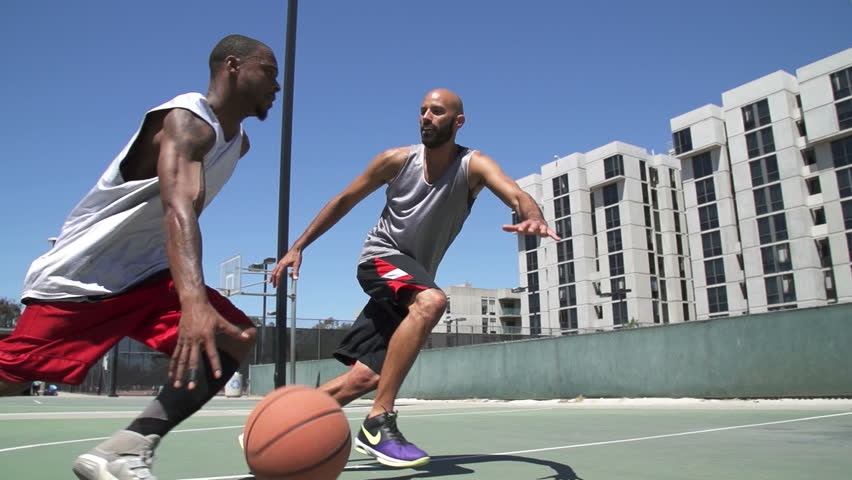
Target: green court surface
[{"x": 592, "y": 439}]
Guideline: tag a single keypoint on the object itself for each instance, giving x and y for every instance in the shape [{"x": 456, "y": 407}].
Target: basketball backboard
[{"x": 230, "y": 276}]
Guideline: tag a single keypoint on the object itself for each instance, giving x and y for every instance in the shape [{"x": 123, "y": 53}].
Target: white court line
[
  {"x": 206, "y": 429},
  {"x": 579, "y": 445}
]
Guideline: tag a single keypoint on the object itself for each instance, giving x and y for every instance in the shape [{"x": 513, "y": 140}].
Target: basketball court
[{"x": 589, "y": 439}]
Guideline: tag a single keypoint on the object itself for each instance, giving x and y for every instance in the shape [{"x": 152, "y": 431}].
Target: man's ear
[
  {"x": 232, "y": 63},
  {"x": 459, "y": 121}
]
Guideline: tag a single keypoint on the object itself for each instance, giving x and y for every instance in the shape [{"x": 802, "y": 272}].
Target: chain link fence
[{"x": 140, "y": 370}]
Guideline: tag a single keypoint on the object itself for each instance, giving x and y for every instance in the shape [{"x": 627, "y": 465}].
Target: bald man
[{"x": 431, "y": 187}]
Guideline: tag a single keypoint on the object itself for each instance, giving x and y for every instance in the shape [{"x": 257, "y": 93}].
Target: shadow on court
[{"x": 446, "y": 466}]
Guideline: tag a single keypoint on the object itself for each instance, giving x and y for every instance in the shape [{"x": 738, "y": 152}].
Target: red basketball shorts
[{"x": 60, "y": 341}]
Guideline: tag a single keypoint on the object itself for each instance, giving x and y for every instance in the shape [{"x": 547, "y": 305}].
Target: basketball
[{"x": 296, "y": 432}]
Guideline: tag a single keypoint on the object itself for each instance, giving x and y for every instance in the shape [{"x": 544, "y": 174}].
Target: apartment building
[
  {"x": 767, "y": 183},
  {"x": 623, "y": 257},
  {"x": 482, "y": 310}
]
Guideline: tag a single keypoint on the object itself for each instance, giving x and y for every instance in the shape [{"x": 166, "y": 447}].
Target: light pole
[
  {"x": 262, "y": 267},
  {"x": 449, "y": 322}
]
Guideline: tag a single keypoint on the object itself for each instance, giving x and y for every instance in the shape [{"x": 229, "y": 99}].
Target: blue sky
[{"x": 539, "y": 78}]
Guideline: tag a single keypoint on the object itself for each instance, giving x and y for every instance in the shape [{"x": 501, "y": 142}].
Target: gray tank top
[{"x": 421, "y": 220}]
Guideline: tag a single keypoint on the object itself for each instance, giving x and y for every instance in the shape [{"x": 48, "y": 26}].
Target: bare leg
[
  {"x": 424, "y": 312},
  {"x": 351, "y": 385}
]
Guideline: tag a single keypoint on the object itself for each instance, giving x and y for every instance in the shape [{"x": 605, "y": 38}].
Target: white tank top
[
  {"x": 114, "y": 237},
  {"x": 421, "y": 220}
]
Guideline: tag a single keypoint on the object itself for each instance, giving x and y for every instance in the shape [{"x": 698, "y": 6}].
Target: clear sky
[{"x": 538, "y": 78}]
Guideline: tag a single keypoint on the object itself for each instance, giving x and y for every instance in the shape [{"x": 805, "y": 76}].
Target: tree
[
  {"x": 328, "y": 324},
  {"x": 10, "y": 310}
]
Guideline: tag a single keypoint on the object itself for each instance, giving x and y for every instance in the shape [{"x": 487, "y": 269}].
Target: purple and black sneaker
[{"x": 380, "y": 438}]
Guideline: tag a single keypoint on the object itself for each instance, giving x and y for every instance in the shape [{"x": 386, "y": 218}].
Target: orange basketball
[{"x": 297, "y": 432}]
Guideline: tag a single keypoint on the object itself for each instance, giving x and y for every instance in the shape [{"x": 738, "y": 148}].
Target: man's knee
[
  {"x": 11, "y": 388},
  {"x": 429, "y": 304},
  {"x": 362, "y": 379}
]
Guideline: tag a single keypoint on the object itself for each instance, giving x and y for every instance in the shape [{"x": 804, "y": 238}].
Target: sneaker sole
[
  {"x": 90, "y": 467},
  {"x": 386, "y": 460}
]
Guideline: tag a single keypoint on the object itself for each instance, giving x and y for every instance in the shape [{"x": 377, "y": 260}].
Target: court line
[
  {"x": 206, "y": 429},
  {"x": 579, "y": 445}
]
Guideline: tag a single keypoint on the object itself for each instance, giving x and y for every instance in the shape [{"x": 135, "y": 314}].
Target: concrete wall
[{"x": 781, "y": 354}]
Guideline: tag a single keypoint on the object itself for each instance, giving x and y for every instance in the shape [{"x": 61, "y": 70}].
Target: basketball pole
[{"x": 281, "y": 346}]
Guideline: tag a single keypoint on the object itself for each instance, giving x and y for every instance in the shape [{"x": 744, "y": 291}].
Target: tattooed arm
[{"x": 184, "y": 140}]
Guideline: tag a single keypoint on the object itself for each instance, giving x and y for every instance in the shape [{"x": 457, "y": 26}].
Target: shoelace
[
  {"x": 140, "y": 465},
  {"x": 392, "y": 430}
]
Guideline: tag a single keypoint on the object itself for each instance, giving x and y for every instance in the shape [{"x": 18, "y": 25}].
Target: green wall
[{"x": 793, "y": 353}]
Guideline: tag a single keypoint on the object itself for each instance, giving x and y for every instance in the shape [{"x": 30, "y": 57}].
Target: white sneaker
[{"x": 124, "y": 456}]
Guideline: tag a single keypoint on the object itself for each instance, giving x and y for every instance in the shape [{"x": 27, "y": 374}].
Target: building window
[
  {"x": 562, "y": 206},
  {"x": 847, "y": 214},
  {"x": 830, "y": 288},
  {"x": 702, "y": 165},
  {"x": 714, "y": 271},
  {"x": 682, "y": 140},
  {"x": 808, "y": 156},
  {"x": 676, "y": 216},
  {"x": 760, "y": 142},
  {"x": 484, "y": 303},
  {"x": 613, "y": 166},
  {"x": 568, "y": 296},
  {"x": 565, "y": 250},
  {"x": 756, "y": 115},
  {"x": 532, "y": 283},
  {"x": 772, "y": 229},
  {"x": 659, "y": 243},
  {"x": 818, "y": 215},
  {"x": 844, "y": 114},
  {"x": 705, "y": 191},
  {"x": 653, "y": 175},
  {"x": 449, "y": 310},
  {"x": 841, "y": 83},
  {"x": 685, "y": 312},
  {"x": 610, "y": 195},
  {"x": 560, "y": 185},
  {"x": 824, "y": 252},
  {"x": 780, "y": 289},
  {"x": 712, "y": 243},
  {"x": 841, "y": 152},
  {"x": 768, "y": 199},
  {"x": 530, "y": 242},
  {"x": 776, "y": 258},
  {"x": 642, "y": 174},
  {"x": 764, "y": 170},
  {"x": 613, "y": 241},
  {"x": 613, "y": 219},
  {"x": 849, "y": 245},
  {"x": 709, "y": 217},
  {"x": 717, "y": 299},
  {"x": 563, "y": 227},
  {"x": 619, "y": 313},
  {"x": 532, "y": 260},
  {"x": 672, "y": 180},
  {"x": 616, "y": 264},
  {"x": 803, "y": 130},
  {"x": 565, "y": 272},
  {"x": 648, "y": 216},
  {"x": 813, "y": 185},
  {"x": 535, "y": 305},
  {"x": 568, "y": 319},
  {"x": 844, "y": 182},
  {"x": 535, "y": 324},
  {"x": 674, "y": 200},
  {"x": 652, "y": 265}
]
